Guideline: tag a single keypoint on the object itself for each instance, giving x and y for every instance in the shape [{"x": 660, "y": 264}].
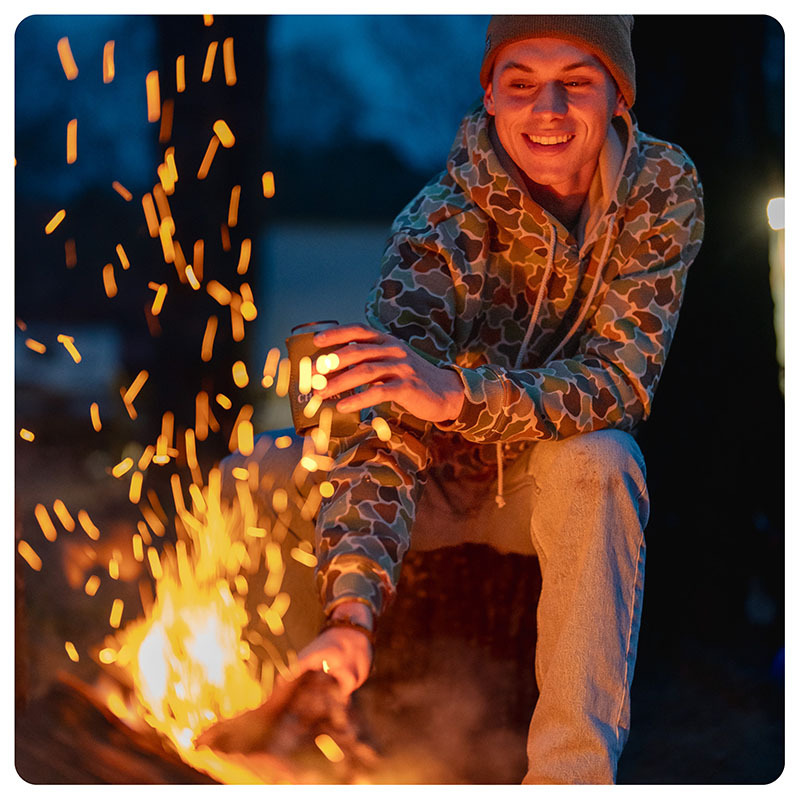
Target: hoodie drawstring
[
  {"x": 551, "y": 253},
  {"x": 499, "y": 499},
  {"x": 589, "y": 298}
]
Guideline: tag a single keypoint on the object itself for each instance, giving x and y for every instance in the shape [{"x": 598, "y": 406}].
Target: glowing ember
[
  {"x": 121, "y": 191},
  {"x": 37, "y": 347},
  {"x": 64, "y": 517},
  {"x": 123, "y": 257},
  {"x": 29, "y": 554},
  {"x": 27, "y": 435},
  {"x": 228, "y": 61},
  {"x": 222, "y": 130},
  {"x": 120, "y": 469},
  {"x": 72, "y": 141},
  {"x": 158, "y": 302},
  {"x": 148, "y": 206},
  {"x": 381, "y": 427},
  {"x": 219, "y": 292},
  {"x": 233, "y": 206},
  {"x": 191, "y": 277},
  {"x": 205, "y": 165},
  {"x": 86, "y": 523},
  {"x": 109, "y": 283},
  {"x": 268, "y": 184},
  {"x": 69, "y": 345},
  {"x": 302, "y": 557},
  {"x": 136, "y": 386},
  {"x": 45, "y": 523},
  {"x": 153, "y": 96},
  {"x": 244, "y": 257},
  {"x": 312, "y": 406},
  {"x": 329, "y": 748},
  {"x": 244, "y": 433},
  {"x": 167, "y": 112},
  {"x": 208, "y": 66},
  {"x": 70, "y": 254},
  {"x": 240, "y": 377},
  {"x": 57, "y": 219},
  {"x": 180, "y": 73},
  {"x": 67, "y": 61},
  {"x": 108, "y": 62},
  {"x": 116, "y": 613},
  {"x": 135, "y": 491},
  {"x": 71, "y": 651}
]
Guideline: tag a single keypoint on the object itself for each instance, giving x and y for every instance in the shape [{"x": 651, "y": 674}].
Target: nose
[{"x": 551, "y": 100}]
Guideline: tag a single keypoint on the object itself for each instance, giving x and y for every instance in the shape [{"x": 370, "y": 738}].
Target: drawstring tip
[{"x": 498, "y": 498}]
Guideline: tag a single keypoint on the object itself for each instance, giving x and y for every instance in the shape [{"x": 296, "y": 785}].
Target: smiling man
[{"x": 527, "y": 301}]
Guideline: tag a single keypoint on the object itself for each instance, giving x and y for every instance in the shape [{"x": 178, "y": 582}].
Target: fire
[{"x": 189, "y": 659}]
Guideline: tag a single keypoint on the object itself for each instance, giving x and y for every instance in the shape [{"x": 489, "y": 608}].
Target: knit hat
[{"x": 606, "y": 36}]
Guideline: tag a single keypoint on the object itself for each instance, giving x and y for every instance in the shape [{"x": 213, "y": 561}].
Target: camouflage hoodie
[{"x": 552, "y": 333}]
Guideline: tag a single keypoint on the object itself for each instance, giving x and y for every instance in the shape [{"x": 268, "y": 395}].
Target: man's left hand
[{"x": 388, "y": 370}]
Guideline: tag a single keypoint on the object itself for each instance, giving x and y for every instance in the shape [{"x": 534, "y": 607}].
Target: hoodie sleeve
[
  {"x": 363, "y": 530},
  {"x": 612, "y": 376}
]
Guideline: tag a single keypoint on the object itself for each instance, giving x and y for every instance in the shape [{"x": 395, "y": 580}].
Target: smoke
[{"x": 451, "y": 725}]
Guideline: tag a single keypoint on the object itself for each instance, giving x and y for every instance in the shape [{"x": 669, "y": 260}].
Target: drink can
[{"x": 299, "y": 345}]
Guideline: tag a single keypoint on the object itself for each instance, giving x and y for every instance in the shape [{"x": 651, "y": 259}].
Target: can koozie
[{"x": 301, "y": 345}]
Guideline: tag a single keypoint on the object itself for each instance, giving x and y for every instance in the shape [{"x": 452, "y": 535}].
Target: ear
[
  {"x": 621, "y": 106},
  {"x": 488, "y": 99}
]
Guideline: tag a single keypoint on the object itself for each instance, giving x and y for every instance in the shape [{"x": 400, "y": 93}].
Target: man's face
[{"x": 552, "y": 103}]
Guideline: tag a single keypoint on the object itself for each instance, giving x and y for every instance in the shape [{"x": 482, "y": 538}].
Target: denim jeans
[{"x": 580, "y": 505}]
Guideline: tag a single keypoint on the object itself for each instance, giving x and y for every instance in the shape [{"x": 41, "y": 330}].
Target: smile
[{"x": 547, "y": 140}]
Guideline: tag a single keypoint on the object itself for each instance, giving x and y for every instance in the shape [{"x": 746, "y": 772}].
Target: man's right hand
[{"x": 343, "y": 653}]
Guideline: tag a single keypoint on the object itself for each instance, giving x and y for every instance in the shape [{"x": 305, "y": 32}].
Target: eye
[{"x": 577, "y": 83}]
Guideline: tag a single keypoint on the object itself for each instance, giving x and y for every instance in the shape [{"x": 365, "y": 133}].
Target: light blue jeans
[{"x": 580, "y": 505}]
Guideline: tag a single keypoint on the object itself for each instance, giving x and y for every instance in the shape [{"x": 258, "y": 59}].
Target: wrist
[
  {"x": 355, "y": 611},
  {"x": 455, "y": 394},
  {"x": 343, "y": 622}
]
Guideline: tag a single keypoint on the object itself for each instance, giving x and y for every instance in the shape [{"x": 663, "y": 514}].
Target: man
[{"x": 527, "y": 301}]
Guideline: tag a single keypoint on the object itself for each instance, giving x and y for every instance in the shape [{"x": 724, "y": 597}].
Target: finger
[
  {"x": 346, "y": 333},
  {"x": 375, "y": 395},
  {"x": 357, "y": 353},
  {"x": 362, "y": 375}
]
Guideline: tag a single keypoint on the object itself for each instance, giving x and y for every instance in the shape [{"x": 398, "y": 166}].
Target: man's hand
[
  {"x": 343, "y": 653},
  {"x": 389, "y": 370}
]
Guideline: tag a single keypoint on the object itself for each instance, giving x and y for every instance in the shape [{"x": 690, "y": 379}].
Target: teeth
[{"x": 549, "y": 139}]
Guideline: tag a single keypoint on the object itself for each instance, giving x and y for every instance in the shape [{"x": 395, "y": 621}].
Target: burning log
[
  {"x": 69, "y": 736},
  {"x": 306, "y": 726}
]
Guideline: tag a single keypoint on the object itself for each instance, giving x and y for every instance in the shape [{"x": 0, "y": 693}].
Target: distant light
[{"x": 775, "y": 213}]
